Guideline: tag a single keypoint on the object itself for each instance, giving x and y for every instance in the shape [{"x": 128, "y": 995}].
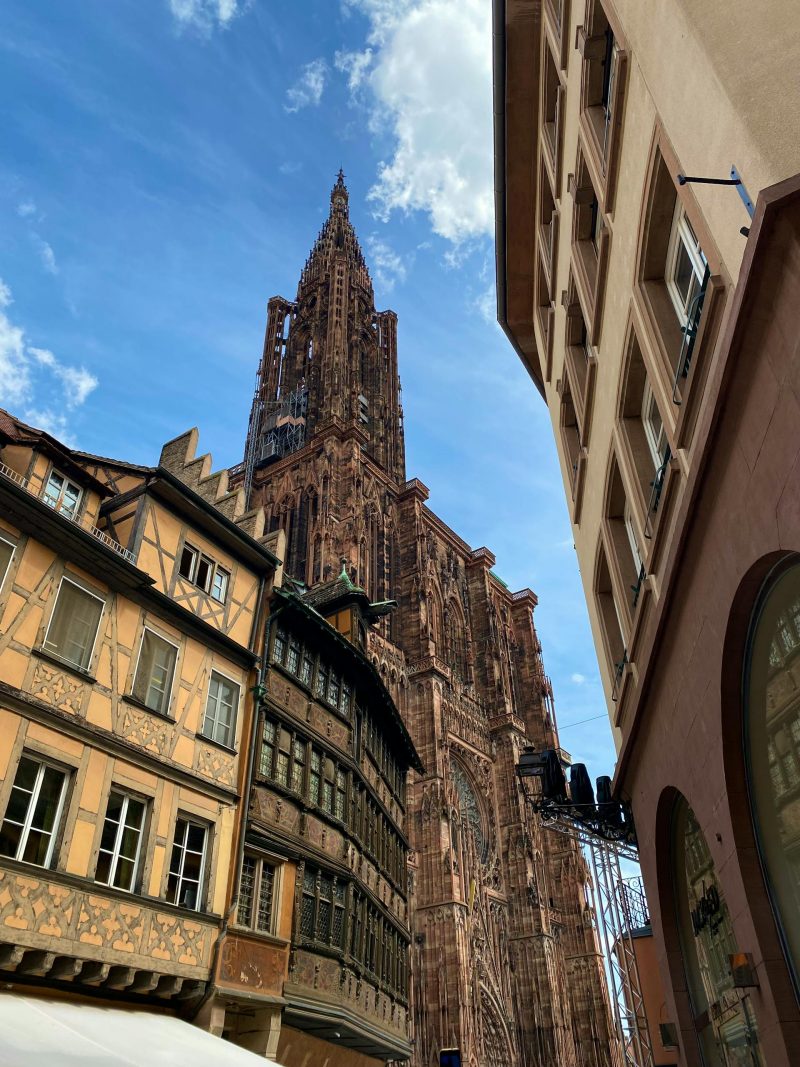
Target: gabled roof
[{"x": 341, "y": 591}]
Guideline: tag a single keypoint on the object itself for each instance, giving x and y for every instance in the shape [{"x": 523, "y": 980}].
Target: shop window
[
  {"x": 723, "y": 1014},
  {"x": 62, "y": 495},
  {"x": 121, "y": 841},
  {"x": 155, "y": 672},
  {"x": 32, "y": 818},
  {"x": 74, "y": 624},
  {"x": 772, "y": 733}
]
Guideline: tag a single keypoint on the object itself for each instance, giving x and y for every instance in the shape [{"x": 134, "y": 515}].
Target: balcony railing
[
  {"x": 656, "y": 488},
  {"x": 95, "y": 531},
  {"x": 690, "y": 331}
]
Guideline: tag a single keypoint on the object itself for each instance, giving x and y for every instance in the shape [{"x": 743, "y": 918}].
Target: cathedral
[{"x": 504, "y": 957}]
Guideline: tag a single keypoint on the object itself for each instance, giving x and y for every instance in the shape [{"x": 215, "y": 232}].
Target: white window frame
[
  {"x": 630, "y": 530},
  {"x": 214, "y": 568},
  {"x": 235, "y": 719},
  {"x": 189, "y": 820},
  {"x": 121, "y": 826},
  {"x": 683, "y": 236},
  {"x": 277, "y": 864},
  {"x": 648, "y": 403},
  {"x": 52, "y": 616},
  {"x": 42, "y": 765},
  {"x": 165, "y": 710},
  {"x": 58, "y": 505},
  {"x": 13, "y": 547}
]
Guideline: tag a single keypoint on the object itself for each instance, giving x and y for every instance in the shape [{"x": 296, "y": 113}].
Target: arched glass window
[
  {"x": 772, "y": 745},
  {"x": 724, "y": 1017}
]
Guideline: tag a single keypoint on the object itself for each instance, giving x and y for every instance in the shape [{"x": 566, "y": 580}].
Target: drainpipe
[{"x": 251, "y": 762}]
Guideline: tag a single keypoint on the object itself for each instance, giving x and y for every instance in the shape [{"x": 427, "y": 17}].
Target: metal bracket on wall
[{"x": 735, "y": 180}]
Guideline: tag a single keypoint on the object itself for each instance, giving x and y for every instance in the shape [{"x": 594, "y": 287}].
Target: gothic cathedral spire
[{"x": 329, "y": 357}]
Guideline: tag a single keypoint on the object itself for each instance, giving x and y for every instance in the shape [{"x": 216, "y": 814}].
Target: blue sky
[{"x": 166, "y": 167}]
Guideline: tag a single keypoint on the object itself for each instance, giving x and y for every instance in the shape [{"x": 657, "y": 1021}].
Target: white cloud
[
  {"x": 307, "y": 90},
  {"x": 205, "y": 15},
  {"x": 26, "y": 209},
  {"x": 355, "y": 65},
  {"x": 430, "y": 76},
  {"x": 578, "y": 679},
  {"x": 46, "y": 254},
  {"x": 288, "y": 167},
  {"x": 34, "y": 376},
  {"x": 487, "y": 305},
  {"x": 388, "y": 266}
]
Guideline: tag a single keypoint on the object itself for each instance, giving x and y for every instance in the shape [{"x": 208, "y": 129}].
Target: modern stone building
[
  {"x": 503, "y": 957},
  {"x": 131, "y": 628},
  {"x": 656, "y": 312}
]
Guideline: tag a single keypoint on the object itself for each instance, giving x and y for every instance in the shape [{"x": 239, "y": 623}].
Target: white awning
[{"x": 59, "y": 1033}]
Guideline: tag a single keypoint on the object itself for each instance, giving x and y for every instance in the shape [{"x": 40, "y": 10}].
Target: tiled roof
[{"x": 339, "y": 588}]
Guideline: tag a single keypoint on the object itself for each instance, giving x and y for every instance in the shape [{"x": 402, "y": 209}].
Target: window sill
[
  {"x": 238, "y": 930},
  {"x": 129, "y": 698},
  {"x": 216, "y": 744},
  {"x": 64, "y": 664}
]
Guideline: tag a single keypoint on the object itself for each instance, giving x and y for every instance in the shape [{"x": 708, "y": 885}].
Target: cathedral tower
[{"x": 505, "y": 963}]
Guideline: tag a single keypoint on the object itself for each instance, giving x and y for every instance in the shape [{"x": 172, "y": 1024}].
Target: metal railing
[
  {"x": 619, "y": 670},
  {"x": 13, "y": 476},
  {"x": 690, "y": 331},
  {"x": 656, "y": 487},
  {"x": 95, "y": 531}
]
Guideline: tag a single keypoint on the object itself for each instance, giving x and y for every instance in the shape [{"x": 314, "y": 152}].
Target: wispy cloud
[
  {"x": 486, "y": 304},
  {"x": 26, "y": 209},
  {"x": 34, "y": 381},
  {"x": 308, "y": 89},
  {"x": 206, "y": 15},
  {"x": 290, "y": 167},
  {"x": 387, "y": 265},
  {"x": 436, "y": 105},
  {"x": 578, "y": 679},
  {"x": 46, "y": 254}
]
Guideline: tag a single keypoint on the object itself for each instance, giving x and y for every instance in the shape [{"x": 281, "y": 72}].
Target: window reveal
[
  {"x": 73, "y": 625},
  {"x": 204, "y": 572},
  {"x": 34, "y": 811},
  {"x": 186, "y": 868},
  {"x": 120, "y": 844},
  {"x": 257, "y": 894},
  {"x": 155, "y": 671},
  {"x": 62, "y": 495}
]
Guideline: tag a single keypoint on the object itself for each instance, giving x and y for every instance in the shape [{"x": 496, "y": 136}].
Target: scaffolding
[
  {"x": 276, "y": 429},
  {"x": 621, "y": 912}
]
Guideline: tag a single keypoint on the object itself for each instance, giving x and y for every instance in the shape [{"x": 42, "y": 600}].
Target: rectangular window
[
  {"x": 33, "y": 813},
  {"x": 315, "y": 777},
  {"x": 220, "y": 719},
  {"x": 267, "y": 759},
  {"x": 282, "y": 764},
  {"x": 293, "y": 659},
  {"x": 6, "y": 553},
  {"x": 344, "y": 700},
  {"x": 155, "y": 672},
  {"x": 654, "y": 427},
  {"x": 341, "y": 794},
  {"x": 73, "y": 624},
  {"x": 307, "y": 670},
  {"x": 322, "y": 680},
  {"x": 322, "y": 908},
  {"x": 257, "y": 894},
  {"x": 298, "y": 765},
  {"x": 120, "y": 844},
  {"x": 188, "y": 562},
  {"x": 333, "y": 690},
  {"x": 185, "y": 879},
  {"x": 204, "y": 573},
  {"x": 219, "y": 586},
  {"x": 62, "y": 494},
  {"x": 686, "y": 267},
  {"x": 279, "y": 646}
]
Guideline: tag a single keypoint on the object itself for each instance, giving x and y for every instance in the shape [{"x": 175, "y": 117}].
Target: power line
[{"x": 582, "y": 721}]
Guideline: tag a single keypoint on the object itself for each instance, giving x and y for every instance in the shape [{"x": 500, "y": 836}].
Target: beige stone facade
[
  {"x": 652, "y": 314},
  {"x": 129, "y": 617}
]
